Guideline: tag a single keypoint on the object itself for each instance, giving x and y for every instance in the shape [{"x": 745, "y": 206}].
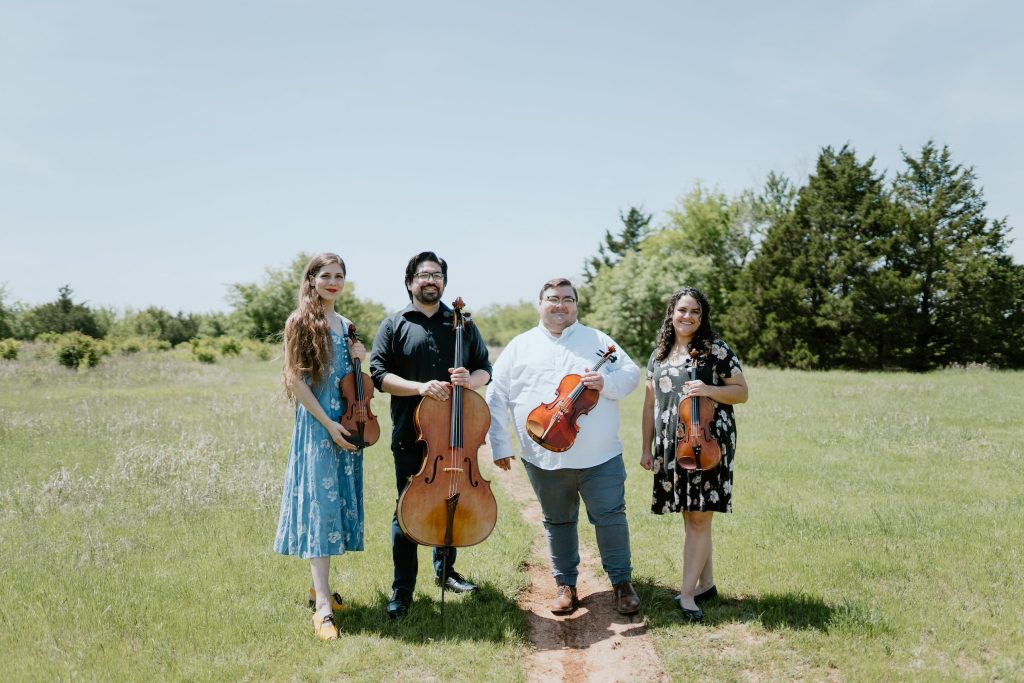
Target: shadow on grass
[
  {"x": 486, "y": 615},
  {"x": 772, "y": 611}
]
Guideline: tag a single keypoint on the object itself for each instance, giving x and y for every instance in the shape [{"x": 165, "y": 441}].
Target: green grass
[
  {"x": 138, "y": 503},
  {"x": 877, "y": 535}
]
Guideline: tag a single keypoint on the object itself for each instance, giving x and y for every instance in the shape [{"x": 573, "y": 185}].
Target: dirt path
[{"x": 594, "y": 643}]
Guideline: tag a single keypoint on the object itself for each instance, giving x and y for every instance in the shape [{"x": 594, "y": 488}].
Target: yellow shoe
[
  {"x": 325, "y": 628},
  {"x": 337, "y": 604}
]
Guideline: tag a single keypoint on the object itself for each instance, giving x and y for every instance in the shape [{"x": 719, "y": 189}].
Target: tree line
[
  {"x": 258, "y": 312},
  {"x": 848, "y": 270}
]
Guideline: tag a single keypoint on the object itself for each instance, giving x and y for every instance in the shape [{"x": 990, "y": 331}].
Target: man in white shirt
[{"x": 526, "y": 374}]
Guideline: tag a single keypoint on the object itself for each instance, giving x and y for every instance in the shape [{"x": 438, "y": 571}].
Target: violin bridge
[{"x": 551, "y": 425}]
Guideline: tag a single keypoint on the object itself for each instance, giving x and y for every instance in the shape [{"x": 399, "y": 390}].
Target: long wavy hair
[
  {"x": 307, "y": 334},
  {"x": 705, "y": 331}
]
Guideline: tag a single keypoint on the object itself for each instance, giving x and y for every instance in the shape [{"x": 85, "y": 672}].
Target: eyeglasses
[
  {"x": 427, "y": 277},
  {"x": 565, "y": 300}
]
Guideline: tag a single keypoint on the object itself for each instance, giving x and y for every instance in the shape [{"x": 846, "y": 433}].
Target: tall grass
[
  {"x": 877, "y": 535},
  {"x": 138, "y": 503}
]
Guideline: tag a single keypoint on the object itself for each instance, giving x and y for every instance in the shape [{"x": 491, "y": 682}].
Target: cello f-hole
[{"x": 433, "y": 473}]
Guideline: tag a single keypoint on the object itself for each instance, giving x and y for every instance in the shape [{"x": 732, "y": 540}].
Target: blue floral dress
[{"x": 322, "y": 502}]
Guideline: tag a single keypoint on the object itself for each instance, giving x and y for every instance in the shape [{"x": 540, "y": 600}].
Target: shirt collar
[
  {"x": 566, "y": 333},
  {"x": 443, "y": 311}
]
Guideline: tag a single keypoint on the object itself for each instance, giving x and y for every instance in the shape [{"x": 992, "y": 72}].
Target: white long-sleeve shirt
[{"x": 527, "y": 373}]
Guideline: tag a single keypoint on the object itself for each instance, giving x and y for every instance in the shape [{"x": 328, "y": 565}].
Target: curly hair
[
  {"x": 705, "y": 331},
  {"x": 307, "y": 333}
]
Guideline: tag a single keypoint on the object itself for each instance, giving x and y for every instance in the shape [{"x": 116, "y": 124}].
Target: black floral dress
[{"x": 676, "y": 489}]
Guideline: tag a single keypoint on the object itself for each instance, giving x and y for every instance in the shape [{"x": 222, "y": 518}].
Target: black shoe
[
  {"x": 456, "y": 583},
  {"x": 401, "y": 598},
  {"x": 691, "y": 615},
  {"x": 706, "y": 596}
]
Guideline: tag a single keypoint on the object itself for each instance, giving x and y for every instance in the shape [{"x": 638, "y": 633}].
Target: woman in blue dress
[{"x": 322, "y": 501}]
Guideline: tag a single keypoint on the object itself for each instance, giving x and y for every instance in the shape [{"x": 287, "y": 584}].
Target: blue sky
[{"x": 153, "y": 152}]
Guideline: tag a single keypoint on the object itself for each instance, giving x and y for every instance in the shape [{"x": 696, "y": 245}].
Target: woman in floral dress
[
  {"x": 322, "y": 502},
  {"x": 697, "y": 494}
]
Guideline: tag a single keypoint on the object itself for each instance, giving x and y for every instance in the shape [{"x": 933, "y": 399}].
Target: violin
[
  {"x": 696, "y": 446},
  {"x": 357, "y": 390},
  {"x": 448, "y": 504},
  {"x": 553, "y": 425}
]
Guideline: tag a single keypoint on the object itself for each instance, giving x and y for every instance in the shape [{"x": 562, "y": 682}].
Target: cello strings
[{"x": 456, "y": 411}]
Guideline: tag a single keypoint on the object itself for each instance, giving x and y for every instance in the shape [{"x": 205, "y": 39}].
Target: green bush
[
  {"x": 130, "y": 345},
  {"x": 230, "y": 347},
  {"x": 204, "y": 349},
  {"x": 76, "y": 350},
  {"x": 9, "y": 349},
  {"x": 156, "y": 323}
]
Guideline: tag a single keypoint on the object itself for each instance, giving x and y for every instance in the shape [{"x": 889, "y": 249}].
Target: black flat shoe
[
  {"x": 706, "y": 596},
  {"x": 401, "y": 599},
  {"x": 690, "y": 615}
]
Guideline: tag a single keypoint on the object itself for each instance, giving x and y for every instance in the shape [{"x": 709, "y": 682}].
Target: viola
[
  {"x": 553, "y": 425},
  {"x": 696, "y": 446},
  {"x": 448, "y": 504},
  {"x": 357, "y": 390}
]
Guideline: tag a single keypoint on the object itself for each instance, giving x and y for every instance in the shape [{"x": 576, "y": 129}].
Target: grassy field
[{"x": 877, "y": 534}]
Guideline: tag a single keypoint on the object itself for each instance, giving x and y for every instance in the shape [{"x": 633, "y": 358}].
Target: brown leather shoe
[
  {"x": 565, "y": 600},
  {"x": 626, "y": 600}
]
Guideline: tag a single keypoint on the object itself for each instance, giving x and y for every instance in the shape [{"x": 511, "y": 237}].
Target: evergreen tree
[
  {"x": 958, "y": 282},
  {"x": 635, "y": 227},
  {"x": 62, "y": 315},
  {"x": 812, "y": 297}
]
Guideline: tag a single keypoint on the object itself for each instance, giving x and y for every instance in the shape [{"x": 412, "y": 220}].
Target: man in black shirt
[{"x": 412, "y": 358}]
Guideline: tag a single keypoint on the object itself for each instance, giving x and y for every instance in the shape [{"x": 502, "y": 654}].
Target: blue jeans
[
  {"x": 603, "y": 489},
  {"x": 403, "y": 551}
]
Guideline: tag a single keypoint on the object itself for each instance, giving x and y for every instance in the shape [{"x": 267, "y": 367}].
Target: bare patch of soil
[{"x": 594, "y": 643}]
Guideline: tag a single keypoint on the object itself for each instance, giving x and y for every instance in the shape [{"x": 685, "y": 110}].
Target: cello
[
  {"x": 553, "y": 425},
  {"x": 696, "y": 445},
  {"x": 448, "y": 504},
  {"x": 357, "y": 390}
]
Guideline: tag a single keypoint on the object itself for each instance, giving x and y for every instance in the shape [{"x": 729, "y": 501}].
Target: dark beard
[{"x": 428, "y": 297}]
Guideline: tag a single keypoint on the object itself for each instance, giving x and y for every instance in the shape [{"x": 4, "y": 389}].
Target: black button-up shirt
[{"x": 417, "y": 348}]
